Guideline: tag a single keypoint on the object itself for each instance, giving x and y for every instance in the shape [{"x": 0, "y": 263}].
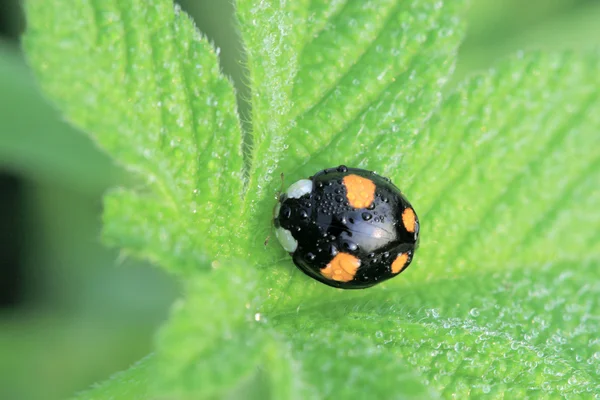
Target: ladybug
[{"x": 347, "y": 227}]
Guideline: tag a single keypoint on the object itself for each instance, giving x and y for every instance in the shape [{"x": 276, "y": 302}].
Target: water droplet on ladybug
[
  {"x": 367, "y": 216},
  {"x": 351, "y": 246},
  {"x": 320, "y": 185},
  {"x": 303, "y": 214},
  {"x": 339, "y": 199},
  {"x": 333, "y": 251},
  {"x": 310, "y": 256},
  {"x": 342, "y": 168}
]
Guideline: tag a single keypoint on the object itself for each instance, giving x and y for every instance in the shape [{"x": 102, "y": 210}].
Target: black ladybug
[{"x": 347, "y": 227}]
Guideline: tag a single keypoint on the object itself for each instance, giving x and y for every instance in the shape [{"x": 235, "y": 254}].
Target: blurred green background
[{"x": 71, "y": 311}]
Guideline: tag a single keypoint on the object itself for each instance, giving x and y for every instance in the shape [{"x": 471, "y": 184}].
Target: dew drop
[
  {"x": 367, "y": 216},
  {"x": 474, "y": 312},
  {"x": 342, "y": 168},
  {"x": 333, "y": 251},
  {"x": 303, "y": 214},
  {"x": 350, "y": 246}
]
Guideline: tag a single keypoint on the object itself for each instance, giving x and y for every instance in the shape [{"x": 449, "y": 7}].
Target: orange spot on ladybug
[
  {"x": 342, "y": 268},
  {"x": 409, "y": 219},
  {"x": 360, "y": 191},
  {"x": 399, "y": 263}
]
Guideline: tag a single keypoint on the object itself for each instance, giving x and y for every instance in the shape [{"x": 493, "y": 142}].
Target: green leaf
[
  {"x": 144, "y": 226},
  {"x": 519, "y": 163},
  {"x": 507, "y": 334},
  {"x": 219, "y": 321},
  {"x": 131, "y": 384},
  {"x": 505, "y": 182},
  {"x": 502, "y": 296},
  {"x": 361, "y": 75},
  {"x": 148, "y": 88},
  {"x": 342, "y": 362},
  {"x": 216, "y": 322}
]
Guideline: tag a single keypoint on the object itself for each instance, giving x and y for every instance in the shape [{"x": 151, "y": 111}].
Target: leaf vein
[
  {"x": 518, "y": 180},
  {"x": 387, "y": 24},
  {"x": 320, "y": 31},
  {"x": 362, "y": 112}
]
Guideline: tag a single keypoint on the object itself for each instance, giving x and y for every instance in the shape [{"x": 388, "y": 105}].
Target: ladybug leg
[
  {"x": 279, "y": 192},
  {"x": 282, "y": 185}
]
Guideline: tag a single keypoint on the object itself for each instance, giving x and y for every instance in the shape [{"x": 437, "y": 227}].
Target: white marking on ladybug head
[
  {"x": 286, "y": 239},
  {"x": 299, "y": 189}
]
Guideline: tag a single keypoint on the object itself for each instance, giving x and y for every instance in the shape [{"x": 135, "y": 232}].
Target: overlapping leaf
[{"x": 141, "y": 80}]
